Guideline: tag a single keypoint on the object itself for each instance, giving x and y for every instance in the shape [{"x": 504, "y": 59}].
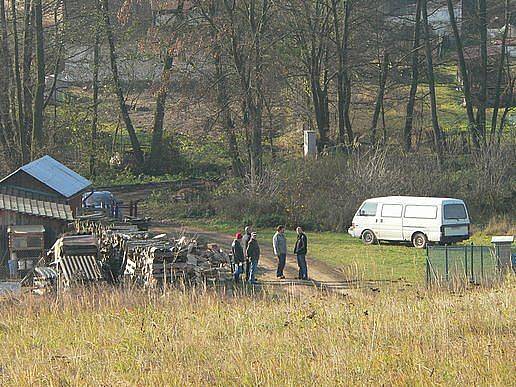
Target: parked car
[
  {"x": 414, "y": 219},
  {"x": 103, "y": 201}
]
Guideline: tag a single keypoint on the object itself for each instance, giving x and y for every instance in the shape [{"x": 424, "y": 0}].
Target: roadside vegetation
[{"x": 126, "y": 337}]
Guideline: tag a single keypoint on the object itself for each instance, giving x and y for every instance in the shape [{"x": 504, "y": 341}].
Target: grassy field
[{"x": 395, "y": 337}]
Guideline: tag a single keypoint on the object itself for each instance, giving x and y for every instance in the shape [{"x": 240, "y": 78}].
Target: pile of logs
[{"x": 152, "y": 259}]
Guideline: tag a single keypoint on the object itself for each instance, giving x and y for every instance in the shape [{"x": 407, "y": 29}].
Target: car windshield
[
  {"x": 454, "y": 211},
  {"x": 98, "y": 198}
]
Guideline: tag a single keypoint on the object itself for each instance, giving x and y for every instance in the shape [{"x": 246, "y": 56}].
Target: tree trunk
[
  {"x": 379, "y": 97},
  {"x": 407, "y": 131},
  {"x": 431, "y": 85},
  {"x": 465, "y": 77},
  {"x": 157, "y": 131},
  {"x": 6, "y": 116},
  {"x": 39, "y": 94},
  {"x": 482, "y": 100},
  {"x": 24, "y": 152},
  {"x": 347, "y": 121},
  {"x": 95, "y": 87},
  {"x": 28, "y": 30},
  {"x": 343, "y": 93},
  {"x": 137, "y": 151},
  {"x": 499, "y": 74},
  {"x": 224, "y": 106},
  {"x": 503, "y": 120}
]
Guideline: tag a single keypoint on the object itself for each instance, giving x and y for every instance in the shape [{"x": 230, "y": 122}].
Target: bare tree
[
  {"x": 384, "y": 69},
  {"x": 431, "y": 84},
  {"x": 407, "y": 130},
  {"x": 472, "y": 124},
  {"x": 137, "y": 150},
  {"x": 499, "y": 73},
  {"x": 343, "y": 80},
  {"x": 482, "y": 100},
  {"x": 95, "y": 87},
  {"x": 39, "y": 94}
]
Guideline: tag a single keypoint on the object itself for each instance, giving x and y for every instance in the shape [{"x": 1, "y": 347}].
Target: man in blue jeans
[
  {"x": 253, "y": 254},
  {"x": 279, "y": 244},
  {"x": 238, "y": 256},
  {"x": 300, "y": 251}
]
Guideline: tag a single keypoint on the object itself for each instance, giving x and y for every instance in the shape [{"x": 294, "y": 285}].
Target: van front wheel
[
  {"x": 419, "y": 240},
  {"x": 368, "y": 237}
]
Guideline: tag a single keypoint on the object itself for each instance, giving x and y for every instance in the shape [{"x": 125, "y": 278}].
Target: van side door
[{"x": 390, "y": 222}]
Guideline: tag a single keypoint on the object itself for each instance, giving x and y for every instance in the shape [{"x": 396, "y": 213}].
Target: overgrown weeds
[
  {"x": 324, "y": 194},
  {"x": 127, "y": 337}
]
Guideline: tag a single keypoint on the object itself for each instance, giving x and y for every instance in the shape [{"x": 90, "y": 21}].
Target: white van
[{"x": 416, "y": 219}]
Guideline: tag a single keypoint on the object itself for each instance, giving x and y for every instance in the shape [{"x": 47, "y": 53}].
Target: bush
[{"x": 324, "y": 194}]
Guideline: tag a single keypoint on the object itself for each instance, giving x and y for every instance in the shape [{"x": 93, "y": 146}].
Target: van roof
[{"x": 414, "y": 199}]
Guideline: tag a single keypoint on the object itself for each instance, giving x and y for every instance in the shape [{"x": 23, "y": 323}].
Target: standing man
[
  {"x": 253, "y": 254},
  {"x": 245, "y": 242},
  {"x": 279, "y": 244},
  {"x": 300, "y": 251},
  {"x": 238, "y": 256}
]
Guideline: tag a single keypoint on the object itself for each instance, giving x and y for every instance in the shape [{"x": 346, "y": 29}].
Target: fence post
[
  {"x": 466, "y": 261},
  {"x": 482, "y": 263},
  {"x": 427, "y": 267},
  {"x": 446, "y": 261},
  {"x": 472, "y": 280}
]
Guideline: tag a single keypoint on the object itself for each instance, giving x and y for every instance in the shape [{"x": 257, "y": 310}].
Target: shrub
[{"x": 324, "y": 194}]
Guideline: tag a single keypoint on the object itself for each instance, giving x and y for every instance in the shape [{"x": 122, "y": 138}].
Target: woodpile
[{"x": 151, "y": 259}]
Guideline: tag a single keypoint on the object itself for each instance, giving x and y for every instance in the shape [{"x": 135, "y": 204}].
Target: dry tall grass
[{"x": 117, "y": 337}]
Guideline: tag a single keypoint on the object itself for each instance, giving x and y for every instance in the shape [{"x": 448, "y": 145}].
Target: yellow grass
[{"x": 128, "y": 337}]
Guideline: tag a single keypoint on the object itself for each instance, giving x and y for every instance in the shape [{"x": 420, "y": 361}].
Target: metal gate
[{"x": 448, "y": 265}]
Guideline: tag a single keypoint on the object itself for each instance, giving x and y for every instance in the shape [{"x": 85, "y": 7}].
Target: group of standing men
[{"x": 246, "y": 253}]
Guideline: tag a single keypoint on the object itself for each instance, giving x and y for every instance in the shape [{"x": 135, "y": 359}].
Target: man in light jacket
[{"x": 279, "y": 244}]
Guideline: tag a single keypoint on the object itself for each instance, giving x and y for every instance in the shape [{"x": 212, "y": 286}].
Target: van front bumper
[{"x": 351, "y": 231}]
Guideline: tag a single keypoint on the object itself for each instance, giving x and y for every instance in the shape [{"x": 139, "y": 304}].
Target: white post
[{"x": 310, "y": 144}]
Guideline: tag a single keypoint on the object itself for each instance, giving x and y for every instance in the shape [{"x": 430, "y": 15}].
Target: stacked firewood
[{"x": 152, "y": 259}]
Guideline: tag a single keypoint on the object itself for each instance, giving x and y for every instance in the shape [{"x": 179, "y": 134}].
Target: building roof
[
  {"x": 35, "y": 207},
  {"x": 55, "y": 175}
]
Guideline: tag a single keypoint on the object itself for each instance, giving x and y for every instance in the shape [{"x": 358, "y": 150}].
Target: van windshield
[
  {"x": 454, "y": 211},
  {"x": 368, "y": 209}
]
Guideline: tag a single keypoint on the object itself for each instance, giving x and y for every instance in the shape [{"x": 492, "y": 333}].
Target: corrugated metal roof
[
  {"x": 55, "y": 175},
  {"x": 78, "y": 268},
  {"x": 46, "y": 273},
  {"x": 35, "y": 207}
]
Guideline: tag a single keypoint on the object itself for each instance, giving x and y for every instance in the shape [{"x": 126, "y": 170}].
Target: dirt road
[{"x": 321, "y": 275}]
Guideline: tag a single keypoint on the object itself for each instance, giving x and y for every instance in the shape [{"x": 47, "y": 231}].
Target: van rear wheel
[
  {"x": 368, "y": 237},
  {"x": 419, "y": 240}
]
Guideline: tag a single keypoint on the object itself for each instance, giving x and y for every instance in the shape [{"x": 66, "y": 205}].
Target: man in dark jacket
[
  {"x": 238, "y": 256},
  {"x": 245, "y": 242},
  {"x": 253, "y": 254},
  {"x": 300, "y": 251}
]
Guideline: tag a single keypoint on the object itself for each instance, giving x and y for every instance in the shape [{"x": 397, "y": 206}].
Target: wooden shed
[
  {"x": 21, "y": 211},
  {"x": 48, "y": 180}
]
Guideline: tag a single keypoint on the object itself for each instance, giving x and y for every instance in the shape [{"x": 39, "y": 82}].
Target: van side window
[
  {"x": 368, "y": 209},
  {"x": 454, "y": 211},
  {"x": 421, "y": 212},
  {"x": 391, "y": 210}
]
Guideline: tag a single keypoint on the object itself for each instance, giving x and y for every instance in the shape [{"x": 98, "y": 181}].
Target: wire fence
[{"x": 458, "y": 265}]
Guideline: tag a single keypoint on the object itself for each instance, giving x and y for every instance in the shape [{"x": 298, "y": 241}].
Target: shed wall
[{"x": 53, "y": 227}]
